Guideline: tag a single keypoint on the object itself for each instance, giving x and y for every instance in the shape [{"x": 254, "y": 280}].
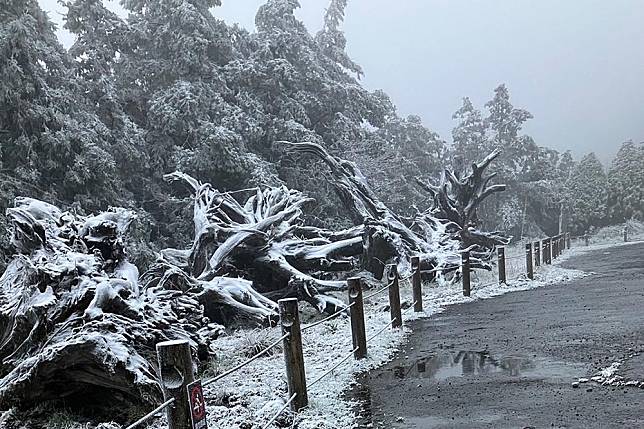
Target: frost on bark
[
  {"x": 77, "y": 323},
  {"x": 74, "y": 323},
  {"x": 431, "y": 235},
  {"x": 455, "y": 202},
  {"x": 386, "y": 237},
  {"x": 262, "y": 239}
]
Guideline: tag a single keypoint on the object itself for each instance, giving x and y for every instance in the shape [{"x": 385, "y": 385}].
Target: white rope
[
  {"x": 270, "y": 422},
  {"x": 378, "y": 292},
  {"x": 330, "y": 370},
  {"x": 243, "y": 364},
  {"x": 382, "y": 329},
  {"x": 326, "y": 319},
  {"x": 151, "y": 414}
]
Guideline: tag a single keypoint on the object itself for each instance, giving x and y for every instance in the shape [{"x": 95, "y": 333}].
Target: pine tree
[
  {"x": 588, "y": 194},
  {"x": 100, "y": 42},
  {"x": 52, "y": 143},
  {"x": 331, "y": 39},
  {"x": 626, "y": 183},
  {"x": 505, "y": 123},
  {"x": 469, "y": 136}
]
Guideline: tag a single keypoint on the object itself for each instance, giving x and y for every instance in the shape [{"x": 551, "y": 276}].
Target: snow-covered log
[
  {"x": 389, "y": 238},
  {"x": 386, "y": 237},
  {"x": 263, "y": 239},
  {"x": 74, "y": 324}
]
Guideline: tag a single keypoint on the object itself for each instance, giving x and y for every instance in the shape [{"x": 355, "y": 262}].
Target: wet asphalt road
[{"x": 509, "y": 362}]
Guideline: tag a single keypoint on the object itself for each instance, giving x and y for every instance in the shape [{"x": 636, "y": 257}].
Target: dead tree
[
  {"x": 77, "y": 323},
  {"x": 74, "y": 323},
  {"x": 455, "y": 203},
  {"x": 388, "y": 238},
  {"x": 262, "y": 239}
]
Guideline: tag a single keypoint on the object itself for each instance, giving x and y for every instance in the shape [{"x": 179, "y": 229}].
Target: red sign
[{"x": 197, "y": 405}]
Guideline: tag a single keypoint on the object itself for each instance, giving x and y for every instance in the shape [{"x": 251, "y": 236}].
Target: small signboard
[{"x": 197, "y": 405}]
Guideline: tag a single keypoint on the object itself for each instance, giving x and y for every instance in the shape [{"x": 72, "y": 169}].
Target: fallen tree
[
  {"x": 437, "y": 236},
  {"x": 74, "y": 324},
  {"x": 77, "y": 323},
  {"x": 262, "y": 239}
]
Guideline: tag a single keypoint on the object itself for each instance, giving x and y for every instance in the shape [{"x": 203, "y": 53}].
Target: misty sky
[{"x": 576, "y": 65}]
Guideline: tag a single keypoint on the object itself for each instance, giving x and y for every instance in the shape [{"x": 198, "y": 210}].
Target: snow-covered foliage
[
  {"x": 588, "y": 194},
  {"x": 534, "y": 175},
  {"x": 626, "y": 183}
]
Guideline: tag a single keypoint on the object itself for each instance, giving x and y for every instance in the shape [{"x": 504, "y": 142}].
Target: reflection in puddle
[
  {"x": 443, "y": 365},
  {"x": 465, "y": 363}
]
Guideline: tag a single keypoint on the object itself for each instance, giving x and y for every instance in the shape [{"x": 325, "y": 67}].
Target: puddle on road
[{"x": 444, "y": 365}]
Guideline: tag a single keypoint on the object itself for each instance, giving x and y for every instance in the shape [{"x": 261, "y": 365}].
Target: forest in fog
[{"x": 174, "y": 88}]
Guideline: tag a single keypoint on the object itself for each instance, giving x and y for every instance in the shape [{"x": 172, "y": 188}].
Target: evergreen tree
[
  {"x": 505, "y": 123},
  {"x": 404, "y": 150},
  {"x": 100, "y": 41},
  {"x": 469, "y": 136},
  {"x": 588, "y": 193},
  {"x": 331, "y": 39},
  {"x": 52, "y": 143},
  {"x": 626, "y": 183}
]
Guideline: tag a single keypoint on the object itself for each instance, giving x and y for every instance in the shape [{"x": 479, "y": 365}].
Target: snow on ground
[
  {"x": 609, "y": 376},
  {"x": 250, "y": 397}
]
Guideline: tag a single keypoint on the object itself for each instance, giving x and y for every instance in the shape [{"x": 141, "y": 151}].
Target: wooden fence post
[
  {"x": 586, "y": 239},
  {"x": 465, "y": 271},
  {"x": 549, "y": 250},
  {"x": 528, "y": 261},
  {"x": 394, "y": 296},
  {"x": 416, "y": 284},
  {"x": 555, "y": 248},
  {"x": 568, "y": 240},
  {"x": 175, "y": 366},
  {"x": 501, "y": 253},
  {"x": 625, "y": 234},
  {"x": 537, "y": 253},
  {"x": 293, "y": 356},
  {"x": 357, "y": 318}
]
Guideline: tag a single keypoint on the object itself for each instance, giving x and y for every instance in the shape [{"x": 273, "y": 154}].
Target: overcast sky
[{"x": 577, "y": 65}]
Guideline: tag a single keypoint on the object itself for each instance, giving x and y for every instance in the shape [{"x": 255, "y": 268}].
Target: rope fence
[
  {"x": 180, "y": 410},
  {"x": 281, "y": 410},
  {"x": 151, "y": 414},
  {"x": 247, "y": 362}
]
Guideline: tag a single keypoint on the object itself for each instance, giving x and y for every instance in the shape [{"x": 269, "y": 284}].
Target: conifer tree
[
  {"x": 469, "y": 135},
  {"x": 626, "y": 183},
  {"x": 52, "y": 143},
  {"x": 588, "y": 194}
]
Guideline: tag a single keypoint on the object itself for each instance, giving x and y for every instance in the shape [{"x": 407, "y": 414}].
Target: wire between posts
[
  {"x": 404, "y": 279},
  {"x": 378, "y": 292},
  {"x": 475, "y": 286},
  {"x": 270, "y": 422},
  {"x": 151, "y": 414},
  {"x": 382, "y": 329},
  {"x": 330, "y": 370},
  {"x": 411, "y": 306},
  {"x": 326, "y": 319},
  {"x": 243, "y": 364}
]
